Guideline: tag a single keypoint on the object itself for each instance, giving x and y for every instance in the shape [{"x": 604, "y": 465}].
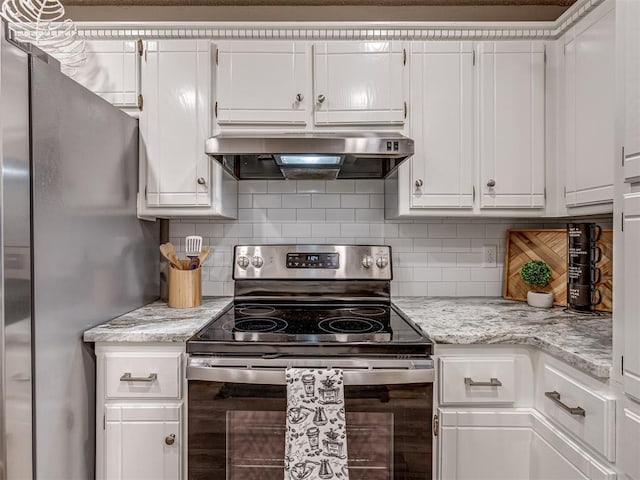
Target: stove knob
[
  {"x": 243, "y": 262},
  {"x": 367, "y": 261},
  {"x": 257, "y": 261},
  {"x": 382, "y": 262}
]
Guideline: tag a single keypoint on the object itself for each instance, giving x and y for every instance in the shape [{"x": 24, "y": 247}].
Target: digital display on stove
[{"x": 313, "y": 260}]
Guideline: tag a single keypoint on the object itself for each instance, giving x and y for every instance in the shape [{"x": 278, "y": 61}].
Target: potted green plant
[{"x": 537, "y": 274}]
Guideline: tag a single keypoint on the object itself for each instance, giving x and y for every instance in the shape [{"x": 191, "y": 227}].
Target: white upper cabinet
[
  {"x": 442, "y": 122},
  {"x": 359, "y": 83},
  {"x": 512, "y": 124},
  {"x": 631, "y": 307},
  {"x": 632, "y": 89},
  {"x": 262, "y": 83},
  {"x": 112, "y": 70},
  {"x": 589, "y": 109},
  {"x": 175, "y": 122}
]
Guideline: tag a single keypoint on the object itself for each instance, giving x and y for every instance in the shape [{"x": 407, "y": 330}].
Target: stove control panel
[
  {"x": 313, "y": 260},
  {"x": 339, "y": 262}
]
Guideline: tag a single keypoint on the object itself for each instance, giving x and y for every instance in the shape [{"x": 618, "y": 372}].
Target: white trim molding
[{"x": 338, "y": 30}]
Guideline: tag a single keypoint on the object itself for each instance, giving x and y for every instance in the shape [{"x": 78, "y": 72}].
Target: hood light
[{"x": 297, "y": 160}]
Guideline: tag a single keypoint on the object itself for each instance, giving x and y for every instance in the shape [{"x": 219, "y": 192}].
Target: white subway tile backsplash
[
  {"x": 311, "y": 186},
  {"x": 354, "y": 230},
  {"x": 325, "y": 230},
  {"x": 340, "y": 215},
  {"x": 369, "y": 215},
  {"x": 325, "y": 200},
  {"x": 431, "y": 256},
  {"x": 341, "y": 186},
  {"x": 370, "y": 186},
  {"x": 209, "y": 229},
  {"x": 238, "y": 230},
  {"x": 256, "y": 215},
  {"x": 311, "y": 215},
  {"x": 282, "y": 215},
  {"x": 443, "y": 230},
  {"x": 253, "y": 186},
  {"x": 413, "y": 230},
  {"x": 267, "y": 201},
  {"x": 300, "y": 200},
  {"x": 456, "y": 274},
  {"x": 354, "y": 201},
  {"x": 296, "y": 230},
  {"x": 278, "y": 186},
  {"x": 442, "y": 289}
]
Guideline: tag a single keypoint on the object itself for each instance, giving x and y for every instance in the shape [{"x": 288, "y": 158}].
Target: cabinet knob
[
  {"x": 321, "y": 98},
  {"x": 419, "y": 183},
  {"x": 170, "y": 439},
  {"x": 491, "y": 183},
  {"x": 201, "y": 181},
  {"x": 299, "y": 97}
]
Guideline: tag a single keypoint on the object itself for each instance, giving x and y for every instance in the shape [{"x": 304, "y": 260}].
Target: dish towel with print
[{"x": 316, "y": 434}]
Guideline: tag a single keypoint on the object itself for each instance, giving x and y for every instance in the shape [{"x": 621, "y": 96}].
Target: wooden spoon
[
  {"x": 169, "y": 252},
  {"x": 204, "y": 253}
]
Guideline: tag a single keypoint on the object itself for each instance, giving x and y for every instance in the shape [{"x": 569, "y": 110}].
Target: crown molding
[{"x": 338, "y": 30}]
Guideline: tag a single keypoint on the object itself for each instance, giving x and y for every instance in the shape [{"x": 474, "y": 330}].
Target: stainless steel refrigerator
[{"x": 73, "y": 255}]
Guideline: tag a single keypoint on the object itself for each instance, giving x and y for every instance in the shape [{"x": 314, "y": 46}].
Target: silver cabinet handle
[
  {"x": 170, "y": 439},
  {"x": 321, "y": 98},
  {"x": 491, "y": 183},
  {"x": 299, "y": 97},
  {"x": 128, "y": 378},
  {"x": 201, "y": 181},
  {"x": 419, "y": 183},
  {"x": 493, "y": 382},
  {"x": 555, "y": 396}
]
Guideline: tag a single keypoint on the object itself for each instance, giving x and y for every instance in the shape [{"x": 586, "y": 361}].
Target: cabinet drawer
[
  {"x": 489, "y": 380},
  {"x": 582, "y": 411},
  {"x": 152, "y": 375}
]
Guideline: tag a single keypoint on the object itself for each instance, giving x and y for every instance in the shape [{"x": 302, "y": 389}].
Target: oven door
[{"x": 236, "y": 418}]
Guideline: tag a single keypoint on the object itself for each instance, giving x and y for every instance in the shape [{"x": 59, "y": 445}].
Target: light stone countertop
[
  {"x": 156, "y": 322},
  {"x": 583, "y": 341}
]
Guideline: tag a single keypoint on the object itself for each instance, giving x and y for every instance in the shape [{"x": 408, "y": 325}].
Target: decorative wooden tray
[{"x": 550, "y": 246}]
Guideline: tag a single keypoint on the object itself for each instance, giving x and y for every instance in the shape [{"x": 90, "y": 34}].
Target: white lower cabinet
[
  {"x": 495, "y": 422},
  {"x": 139, "y": 412},
  {"x": 142, "y": 442}
]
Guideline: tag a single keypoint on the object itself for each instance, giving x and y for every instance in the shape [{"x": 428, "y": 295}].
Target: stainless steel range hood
[{"x": 310, "y": 156}]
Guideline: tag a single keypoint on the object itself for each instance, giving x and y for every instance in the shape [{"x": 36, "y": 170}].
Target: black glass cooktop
[{"x": 309, "y": 323}]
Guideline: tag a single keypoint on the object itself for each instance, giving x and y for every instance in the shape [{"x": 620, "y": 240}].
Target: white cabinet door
[
  {"x": 142, "y": 442},
  {"x": 442, "y": 124},
  {"x": 630, "y": 447},
  {"x": 112, "y": 70},
  {"x": 359, "y": 83},
  {"x": 631, "y": 298},
  {"x": 174, "y": 123},
  {"x": 483, "y": 446},
  {"x": 631, "y": 28},
  {"x": 262, "y": 83},
  {"x": 589, "y": 93},
  {"x": 512, "y": 133}
]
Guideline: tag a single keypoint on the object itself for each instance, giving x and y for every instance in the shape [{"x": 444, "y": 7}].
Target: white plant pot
[{"x": 540, "y": 299}]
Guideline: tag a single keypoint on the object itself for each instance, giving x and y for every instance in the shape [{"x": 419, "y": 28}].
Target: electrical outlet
[{"x": 489, "y": 256}]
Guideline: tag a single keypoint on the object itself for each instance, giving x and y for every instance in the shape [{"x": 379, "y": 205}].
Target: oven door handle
[{"x": 277, "y": 376}]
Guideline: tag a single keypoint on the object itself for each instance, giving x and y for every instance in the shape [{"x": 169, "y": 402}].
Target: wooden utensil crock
[{"x": 185, "y": 287}]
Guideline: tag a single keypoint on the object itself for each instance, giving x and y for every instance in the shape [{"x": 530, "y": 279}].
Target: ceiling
[{"x": 315, "y": 10}]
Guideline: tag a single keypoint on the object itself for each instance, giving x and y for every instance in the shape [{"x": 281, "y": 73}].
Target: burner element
[
  {"x": 368, "y": 311},
  {"x": 251, "y": 310},
  {"x": 350, "y": 325},
  {"x": 257, "y": 324}
]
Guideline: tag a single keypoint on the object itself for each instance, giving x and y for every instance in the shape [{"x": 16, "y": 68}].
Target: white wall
[{"x": 439, "y": 256}]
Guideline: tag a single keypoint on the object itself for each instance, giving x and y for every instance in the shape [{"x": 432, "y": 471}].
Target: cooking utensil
[
  {"x": 193, "y": 247},
  {"x": 169, "y": 252},
  {"x": 204, "y": 253}
]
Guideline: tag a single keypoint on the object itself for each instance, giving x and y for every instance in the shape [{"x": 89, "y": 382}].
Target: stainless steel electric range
[{"x": 309, "y": 306}]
